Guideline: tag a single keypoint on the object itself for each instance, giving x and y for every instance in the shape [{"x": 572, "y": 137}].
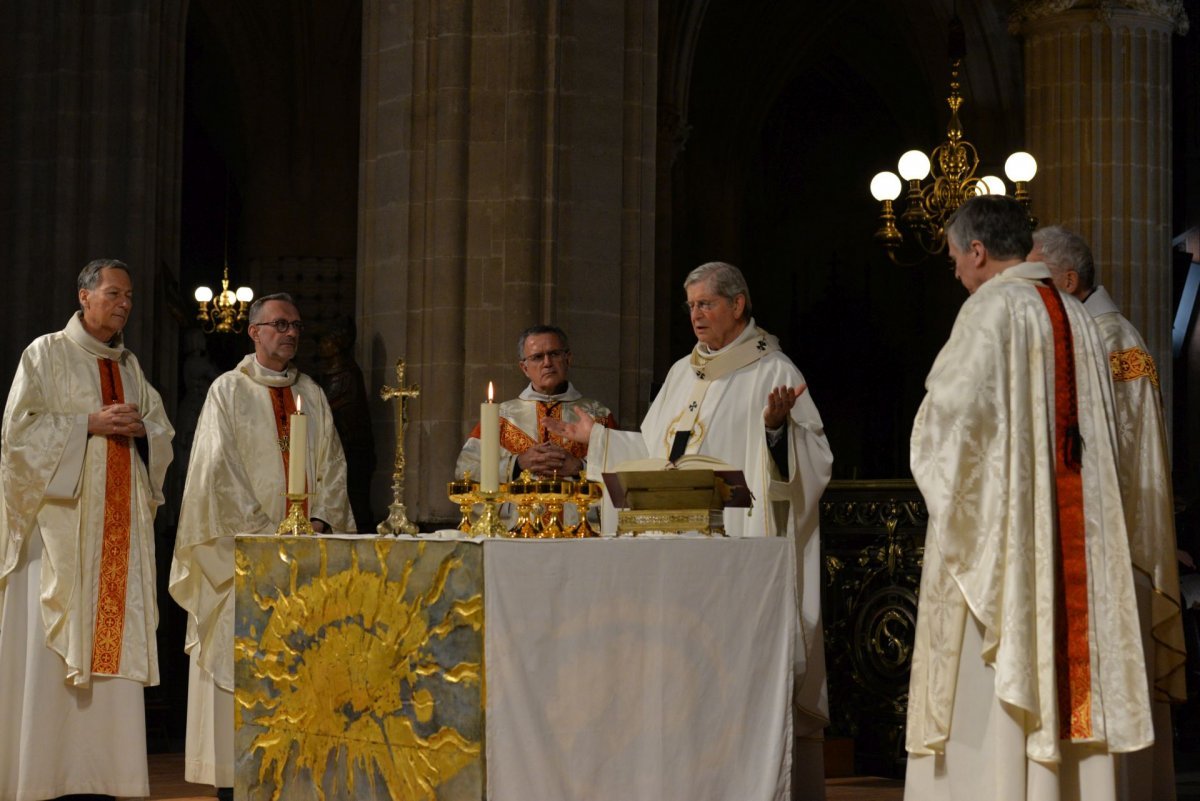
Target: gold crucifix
[{"x": 397, "y": 521}]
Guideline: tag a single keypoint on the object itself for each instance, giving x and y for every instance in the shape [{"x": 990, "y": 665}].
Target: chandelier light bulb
[
  {"x": 885, "y": 186},
  {"x": 1020, "y": 167},
  {"x": 245, "y": 294},
  {"x": 914, "y": 166},
  {"x": 992, "y": 185},
  {"x": 203, "y": 294}
]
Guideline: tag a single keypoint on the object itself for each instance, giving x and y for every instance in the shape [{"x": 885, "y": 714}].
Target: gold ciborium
[
  {"x": 465, "y": 493},
  {"x": 522, "y": 493},
  {"x": 553, "y": 493},
  {"x": 586, "y": 494}
]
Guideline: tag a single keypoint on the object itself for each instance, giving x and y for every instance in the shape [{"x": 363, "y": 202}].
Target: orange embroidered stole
[
  {"x": 1071, "y": 651},
  {"x": 283, "y": 404},
  {"x": 114, "y": 553}
]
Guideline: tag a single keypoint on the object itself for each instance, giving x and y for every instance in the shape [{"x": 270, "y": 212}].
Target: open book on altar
[{"x": 694, "y": 481}]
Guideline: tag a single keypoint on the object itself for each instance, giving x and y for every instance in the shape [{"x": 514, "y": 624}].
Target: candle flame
[
  {"x": 489, "y": 392},
  {"x": 299, "y": 404}
]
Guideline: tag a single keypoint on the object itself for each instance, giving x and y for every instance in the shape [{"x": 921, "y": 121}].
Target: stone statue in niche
[{"x": 342, "y": 380}]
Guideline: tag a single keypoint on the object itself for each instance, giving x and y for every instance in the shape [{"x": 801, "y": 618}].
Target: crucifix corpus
[{"x": 397, "y": 521}]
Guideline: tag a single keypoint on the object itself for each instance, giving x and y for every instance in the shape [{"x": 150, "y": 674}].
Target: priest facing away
[
  {"x": 1028, "y": 679},
  {"x": 738, "y": 398},
  {"x": 235, "y": 485},
  {"x": 86, "y": 445}
]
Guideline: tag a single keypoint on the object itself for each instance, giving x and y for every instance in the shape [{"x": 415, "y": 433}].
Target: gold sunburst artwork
[{"x": 358, "y": 669}]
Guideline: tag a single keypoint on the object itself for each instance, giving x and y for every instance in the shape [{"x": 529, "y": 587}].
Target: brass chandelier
[
  {"x": 952, "y": 181},
  {"x": 228, "y": 310}
]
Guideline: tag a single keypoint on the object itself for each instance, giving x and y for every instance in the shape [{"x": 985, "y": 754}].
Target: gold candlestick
[
  {"x": 521, "y": 492},
  {"x": 553, "y": 493},
  {"x": 397, "y": 521},
  {"x": 489, "y": 524},
  {"x": 296, "y": 521}
]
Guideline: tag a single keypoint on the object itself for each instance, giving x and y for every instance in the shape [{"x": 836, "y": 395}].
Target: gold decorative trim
[{"x": 1131, "y": 364}]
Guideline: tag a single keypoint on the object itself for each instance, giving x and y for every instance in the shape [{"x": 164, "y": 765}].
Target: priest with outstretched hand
[
  {"x": 86, "y": 445},
  {"x": 236, "y": 484},
  {"x": 738, "y": 398}
]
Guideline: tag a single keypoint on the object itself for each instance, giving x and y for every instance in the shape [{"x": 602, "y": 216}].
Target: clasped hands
[
  {"x": 117, "y": 420},
  {"x": 549, "y": 458}
]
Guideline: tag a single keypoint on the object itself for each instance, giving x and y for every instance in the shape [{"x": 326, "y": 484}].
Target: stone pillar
[
  {"x": 1098, "y": 120},
  {"x": 90, "y": 120},
  {"x": 506, "y": 179}
]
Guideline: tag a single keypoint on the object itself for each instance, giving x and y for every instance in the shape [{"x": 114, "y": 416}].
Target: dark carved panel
[{"x": 872, "y": 538}]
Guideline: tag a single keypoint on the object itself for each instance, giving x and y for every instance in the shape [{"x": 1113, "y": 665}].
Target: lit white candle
[
  {"x": 489, "y": 444},
  {"x": 297, "y": 449}
]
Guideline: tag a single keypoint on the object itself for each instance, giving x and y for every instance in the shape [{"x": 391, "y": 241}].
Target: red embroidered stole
[
  {"x": 114, "y": 550},
  {"x": 516, "y": 441},
  {"x": 1071, "y": 651},
  {"x": 283, "y": 404}
]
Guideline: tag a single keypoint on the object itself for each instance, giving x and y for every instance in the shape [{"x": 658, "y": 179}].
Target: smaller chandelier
[
  {"x": 951, "y": 168},
  {"x": 228, "y": 310}
]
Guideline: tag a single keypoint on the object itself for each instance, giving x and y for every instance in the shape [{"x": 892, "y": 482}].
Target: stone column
[
  {"x": 506, "y": 179},
  {"x": 1098, "y": 120},
  {"x": 90, "y": 120}
]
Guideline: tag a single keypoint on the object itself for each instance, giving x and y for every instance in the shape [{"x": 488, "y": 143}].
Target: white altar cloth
[{"x": 639, "y": 669}]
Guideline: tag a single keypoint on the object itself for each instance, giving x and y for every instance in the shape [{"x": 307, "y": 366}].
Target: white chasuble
[
  {"x": 983, "y": 455},
  {"x": 728, "y": 425},
  {"x": 77, "y": 582},
  {"x": 235, "y": 485}
]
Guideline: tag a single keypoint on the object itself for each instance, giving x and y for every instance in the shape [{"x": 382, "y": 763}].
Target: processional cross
[{"x": 397, "y": 521}]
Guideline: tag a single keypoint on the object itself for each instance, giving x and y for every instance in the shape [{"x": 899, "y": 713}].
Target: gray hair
[
  {"x": 727, "y": 281},
  {"x": 1063, "y": 249},
  {"x": 998, "y": 221},
  {"x": 89, "y": 276},
  {"x": 534, "y": 330},
  {"x": 258, "y": 303}
]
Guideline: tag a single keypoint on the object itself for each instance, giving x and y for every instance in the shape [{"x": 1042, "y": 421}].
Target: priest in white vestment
[
  {"x": 86, "y": 445},
  {"x": 740, "y": 399},
  {"x": 1144, "y": 472},
  {"x": 544, "y": 356},
  {"x": 235, "y": 485},
  {"x": 1028, "y": 678}
]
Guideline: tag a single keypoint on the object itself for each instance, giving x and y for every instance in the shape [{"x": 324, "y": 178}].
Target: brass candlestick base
[
  {"x": 296, "y": 521},
  {"x": 397, "y": 521},
  {"x": 489, "y": 524}
]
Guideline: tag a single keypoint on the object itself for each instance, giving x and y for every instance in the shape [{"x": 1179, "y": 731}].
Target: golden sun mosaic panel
[{"x": 359, "y": 669}]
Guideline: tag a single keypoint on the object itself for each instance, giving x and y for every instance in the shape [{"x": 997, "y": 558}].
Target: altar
[{"x": 404, "y": 668}]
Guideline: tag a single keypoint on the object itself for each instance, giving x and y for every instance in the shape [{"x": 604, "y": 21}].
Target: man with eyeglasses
[
  {"x": 544, "y": 356},
  {"x": 738, "y": 398},
  {"x": 236, "y": 484},
  {"x": 86, "y": 446}
]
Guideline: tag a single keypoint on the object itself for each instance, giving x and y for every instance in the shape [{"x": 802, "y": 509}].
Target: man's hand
[
  {"x": 117, "y": 419},
  {"x": 548, "y": 458},
  {"x": 780, "y": 403},
  {"x": 579, "y": 431}
]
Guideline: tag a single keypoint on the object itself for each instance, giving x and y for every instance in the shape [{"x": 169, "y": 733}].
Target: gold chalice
[
  {"x": 465, "y": 493},
  {"x": 586, "y": 494},
  {"x": 521, "y": 491},
  {"x": 552, "y": 493}
]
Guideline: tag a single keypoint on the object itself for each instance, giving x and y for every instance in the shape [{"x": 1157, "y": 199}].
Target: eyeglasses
[
  {"x": 703, "y": 305},
  {"x": 283, "y": 325},
  {"x": 545, "y": 356}
]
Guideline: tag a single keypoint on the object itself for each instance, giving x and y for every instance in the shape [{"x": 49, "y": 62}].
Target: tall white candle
[
  {"x": 297, "y": 449},
  {"x": 489, "y": 444}
]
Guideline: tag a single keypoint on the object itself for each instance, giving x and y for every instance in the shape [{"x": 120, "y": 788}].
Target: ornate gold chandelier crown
[{"x": 952, "y": 179}]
